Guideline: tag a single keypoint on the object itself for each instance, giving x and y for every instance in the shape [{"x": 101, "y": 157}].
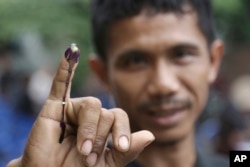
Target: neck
[{"x": 178, "y": 154}]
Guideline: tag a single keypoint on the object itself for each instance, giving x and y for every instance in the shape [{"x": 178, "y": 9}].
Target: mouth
[
  {"x": 166, "y": 116},
  {"x": 165, "y": 110}
]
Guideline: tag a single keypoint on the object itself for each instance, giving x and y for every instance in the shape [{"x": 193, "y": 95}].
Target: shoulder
[
  {"x": 211, "y": 160},
  {"x": 204, "y": 159},
  {"x": 217, "y": 160}
]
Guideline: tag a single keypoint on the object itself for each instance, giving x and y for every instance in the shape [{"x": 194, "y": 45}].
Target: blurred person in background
[
  {"x": 240, "y": 95},
  {"x": 15, "y": 106},
  {"x": 158, "y": 58},
  {"x": 232, "y": 130},
  {"x": 7, "y": 76},
  {"x": 234, "y": 121}
]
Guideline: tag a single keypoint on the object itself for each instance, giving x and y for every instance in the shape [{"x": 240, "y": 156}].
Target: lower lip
[{"x": 168, "y": 120}]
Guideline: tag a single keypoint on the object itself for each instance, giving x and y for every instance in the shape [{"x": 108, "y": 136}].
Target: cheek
[
  {"x": 127, "y": 89},
  {"x": 199, "y": 86}
]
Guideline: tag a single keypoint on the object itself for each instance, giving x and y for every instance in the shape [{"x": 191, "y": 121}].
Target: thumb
[{"x": 139, "y": 140}]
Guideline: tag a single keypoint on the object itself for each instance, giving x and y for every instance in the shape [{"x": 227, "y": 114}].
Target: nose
[{"x": 164, "y": 79}]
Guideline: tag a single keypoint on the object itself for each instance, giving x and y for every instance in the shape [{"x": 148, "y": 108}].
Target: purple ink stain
[{"x": 72, "y": 53}]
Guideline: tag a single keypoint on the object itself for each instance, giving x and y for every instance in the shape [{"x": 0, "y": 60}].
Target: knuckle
[
  {"x": 121, "y": 122},
  {"x": 88, "y": 129},
  {"x": 120, "y": 112},
  {"x": 93, "y": 102}
]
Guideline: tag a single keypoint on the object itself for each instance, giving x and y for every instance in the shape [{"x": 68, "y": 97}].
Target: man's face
[{"x": 159, "y": 70}]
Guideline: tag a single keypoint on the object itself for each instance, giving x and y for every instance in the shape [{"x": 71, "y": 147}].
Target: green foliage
[
  {"x": 233, "y": 20},
  {"x": 59, "y": 22},
  {"x": 228, "y": 6}
]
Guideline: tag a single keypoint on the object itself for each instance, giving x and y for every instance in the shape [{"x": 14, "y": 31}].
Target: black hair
[{"x": 106, "y": 12}]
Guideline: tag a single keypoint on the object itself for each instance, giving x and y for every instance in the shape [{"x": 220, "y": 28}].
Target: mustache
[{"x": 157, "y": 102}]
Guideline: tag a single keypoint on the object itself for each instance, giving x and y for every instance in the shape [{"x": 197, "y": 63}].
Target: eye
[
  {"x": 181, "y": 53},
  {"x": 133, "y": 61},
  {"x": 184, "y": 55},
  {"x": 136, "y": 60}
]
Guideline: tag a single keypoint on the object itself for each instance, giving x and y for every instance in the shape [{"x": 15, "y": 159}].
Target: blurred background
[{"x": 34, "y": 35}]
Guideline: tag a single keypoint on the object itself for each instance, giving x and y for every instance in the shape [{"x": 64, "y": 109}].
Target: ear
[
  {"x": 216, "y": 53},
  {"x": 99, "y": 68}
]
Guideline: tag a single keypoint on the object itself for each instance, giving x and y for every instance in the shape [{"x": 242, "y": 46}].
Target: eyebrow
[
  {"x": 184, "y": 46},
  {"x": 147, "y": 53},
  {"x": 133, "y": 52}
]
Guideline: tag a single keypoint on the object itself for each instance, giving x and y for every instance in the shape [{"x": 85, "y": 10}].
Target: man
[{"x": 158, "y": 59}]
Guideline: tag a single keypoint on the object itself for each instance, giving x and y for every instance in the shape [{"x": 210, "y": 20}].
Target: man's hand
[{"x": 88, "y": 126}]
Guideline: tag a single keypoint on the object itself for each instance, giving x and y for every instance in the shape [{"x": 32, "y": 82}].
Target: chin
[
  {"x": 168, "y": 138},
  {"x": 172, "y": 135}
]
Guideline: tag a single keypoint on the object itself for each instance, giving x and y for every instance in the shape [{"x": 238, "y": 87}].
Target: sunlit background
[{"x": 34, "y": 35}]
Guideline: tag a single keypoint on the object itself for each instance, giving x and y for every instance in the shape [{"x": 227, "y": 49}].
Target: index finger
[{"x": 61, "y": 85}]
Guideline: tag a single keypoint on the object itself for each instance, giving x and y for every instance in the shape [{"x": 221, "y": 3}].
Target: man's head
[
  {"x": 158, "y": 58},
  {"x": 106, "y": 13}
]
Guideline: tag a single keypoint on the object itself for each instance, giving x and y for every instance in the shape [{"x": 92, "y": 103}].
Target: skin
[
  {"x": 87, "y": 128},
  {"x": 160, "y": 90},
  {"x": 168, "y": 61}
]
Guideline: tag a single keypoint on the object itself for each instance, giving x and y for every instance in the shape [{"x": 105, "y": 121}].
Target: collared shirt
[{"x": 203, "y": 160}]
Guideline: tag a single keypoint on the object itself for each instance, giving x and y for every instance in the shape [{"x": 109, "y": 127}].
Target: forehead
[{"x": 148, "y": 30}]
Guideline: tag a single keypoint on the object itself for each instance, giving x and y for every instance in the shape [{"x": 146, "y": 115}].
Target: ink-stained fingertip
[{"x": 72, "y": 53}]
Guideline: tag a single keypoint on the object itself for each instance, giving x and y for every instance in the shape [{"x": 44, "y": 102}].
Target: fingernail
[
  {"x": 86, "y": 147},
  {"x": 91, "y": 159},
  {"x": 72, "y": 53},
  {"x": 123, "y": 143}
]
